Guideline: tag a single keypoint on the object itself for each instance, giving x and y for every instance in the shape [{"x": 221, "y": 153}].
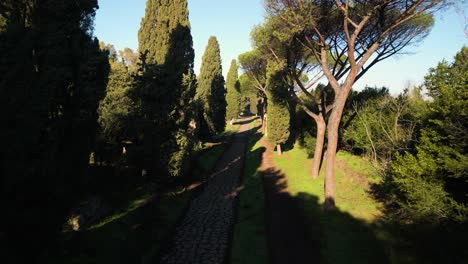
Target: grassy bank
[{"x": 349, "y": 234}]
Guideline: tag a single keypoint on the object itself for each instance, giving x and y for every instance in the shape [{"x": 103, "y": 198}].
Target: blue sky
[{"x": 118, "y": 21}]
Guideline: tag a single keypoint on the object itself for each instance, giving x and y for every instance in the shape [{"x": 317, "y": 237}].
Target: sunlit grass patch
[{"x": 347, "y": 234}]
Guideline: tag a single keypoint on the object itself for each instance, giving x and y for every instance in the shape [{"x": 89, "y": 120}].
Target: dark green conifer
[
  {"x": 165, "y": 86},
  {"x": 211, "y": 92},
  {"x": 233, "y": 96},
  {"x": 278, "y": 112}
]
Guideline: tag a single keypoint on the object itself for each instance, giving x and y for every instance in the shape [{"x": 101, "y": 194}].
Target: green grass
[
  {"x": 348, "y": 235},
  {"x": 249, "y": 244}
]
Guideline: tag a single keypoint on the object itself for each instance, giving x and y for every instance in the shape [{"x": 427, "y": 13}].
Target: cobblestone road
[{"x": 203, "y": 235}]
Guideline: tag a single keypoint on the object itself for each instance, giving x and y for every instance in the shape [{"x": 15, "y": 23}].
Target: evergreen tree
[
  {"x": 165, "y": 86},
  {"x": 278, "y": 111},
  {"x": 233, "y": 96},
  {"x": 53, "y": 76},
  {"x": 116, "y": 110},
  {"x": 432, "y": 179},
  {"x": 211, "y": 91}
]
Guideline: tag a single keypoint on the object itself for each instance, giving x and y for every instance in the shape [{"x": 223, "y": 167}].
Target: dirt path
[
  {"x": 202, "y": 236},
  {"x": 288, "y": 237}
]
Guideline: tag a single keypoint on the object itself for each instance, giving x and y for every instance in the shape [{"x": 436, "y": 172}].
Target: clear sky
[{"x": 118, "y": 21}]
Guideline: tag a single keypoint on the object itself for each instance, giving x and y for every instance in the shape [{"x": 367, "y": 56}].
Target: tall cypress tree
[
  {"x": 278, "y": 112},
  {"x": 233, "y": 96},
  {"x": 211, "y": 91},
  {"x": 165, "y": 86},
  {"x": 53, "y": 76}
]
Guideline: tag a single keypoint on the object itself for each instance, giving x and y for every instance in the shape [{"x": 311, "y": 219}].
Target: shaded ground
[
  {"x": 204, "y": 232},
  {"x": 288, "y": 233}
]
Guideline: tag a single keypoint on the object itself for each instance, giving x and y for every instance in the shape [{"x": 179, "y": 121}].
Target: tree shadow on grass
[
  {"x": 128, "y": 236},
  {"x": 300, "y": 231}
]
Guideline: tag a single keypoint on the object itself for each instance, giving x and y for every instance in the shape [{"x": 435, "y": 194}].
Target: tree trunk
[
  {"x": 278, "y": 148},
  {"x": 318, "y": 147},
  {"x": 232, "y": 122},
  {"x": 332, "y": 145}
]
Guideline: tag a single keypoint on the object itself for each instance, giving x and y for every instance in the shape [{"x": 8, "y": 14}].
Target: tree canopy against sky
[
  {"x": 433, "y": 179},
  {"x": 233, "y": 35},
  {"x": 211, "y": 91},
  {"x": 166, "y": 85},
  {"x": 347, "y": 40}
]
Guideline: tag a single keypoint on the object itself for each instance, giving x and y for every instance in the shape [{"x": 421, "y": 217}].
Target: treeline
[
  {"x": 74, "y": 108},
  {"x": 52, "y": 77},
  {"x": 306, "y": 57},
  {"x": 302, "y": 44}
]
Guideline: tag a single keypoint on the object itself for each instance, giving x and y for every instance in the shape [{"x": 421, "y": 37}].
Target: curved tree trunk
[
  {"x": 321, "y": 126},
  {"x": 278, "y": 148}
]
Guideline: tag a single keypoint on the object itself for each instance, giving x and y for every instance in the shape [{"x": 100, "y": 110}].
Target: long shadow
[
  {"x": 290, "y": 236},
  {"x": 300, "y": 231},
  {"x": 244, "y": 122}
]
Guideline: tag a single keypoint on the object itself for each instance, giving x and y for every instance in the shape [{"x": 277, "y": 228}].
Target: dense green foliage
[
  {"x": 278, "y": 110},
  {"x": 116, "y": 111},
  {"x": 233, "y": 93},
  {"x": 82, "y": 122},
  {"x": 165, "y": 87},
  {"x": 165, "y": 26},
  {"x": 432, "y": 178},
  {"x": 249, "y": 94},
  {"x": 379, "y": 125},
  {"x": 53, "y": 75},
  {"x": 210, "y": 91}
]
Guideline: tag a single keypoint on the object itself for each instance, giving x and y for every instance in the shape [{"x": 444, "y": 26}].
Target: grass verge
[
  {"x": 133, "y": 234},
  {"x": 249, "y": 244},
  {"x": 137, "y": 228}
]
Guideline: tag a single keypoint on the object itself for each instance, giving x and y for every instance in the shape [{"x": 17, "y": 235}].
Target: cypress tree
[
  {"x": 233, "y": 96},
  {"x": 278, "y": 112},
  {"x": 211, "y": 91},
  {"x": 165, "y": 86}
]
